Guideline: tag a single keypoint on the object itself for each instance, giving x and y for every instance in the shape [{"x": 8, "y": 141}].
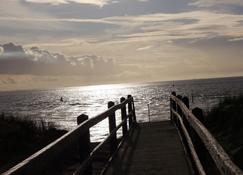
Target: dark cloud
[
  {"x": 15, "y": 59},
  {"x": 11, "y": 50}
]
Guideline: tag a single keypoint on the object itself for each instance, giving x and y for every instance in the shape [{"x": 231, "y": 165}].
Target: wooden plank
[
  {"x": 151, "y": 149},
  {"x": 220, "y": 157}
]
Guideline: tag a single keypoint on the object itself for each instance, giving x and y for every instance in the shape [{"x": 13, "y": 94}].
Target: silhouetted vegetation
[
  {"x": 20, "y": 137},
  {"x": 225, "y": 121}
]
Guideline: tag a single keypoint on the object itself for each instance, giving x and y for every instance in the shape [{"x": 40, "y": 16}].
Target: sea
[{"x": 151, "y": 101}]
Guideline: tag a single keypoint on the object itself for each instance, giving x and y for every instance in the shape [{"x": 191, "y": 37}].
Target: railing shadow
[{"x": 120, "y": 165}]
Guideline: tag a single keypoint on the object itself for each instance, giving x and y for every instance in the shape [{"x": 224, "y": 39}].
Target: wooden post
[
  {"x": 199, "y": 114},
  {"x": 179, "y": 97},
  {"x": 84, "y": 143},
  {"x": 172, "y": 106},
  {"x": 123, "y": 116},
  {"x": 186, "y": 101},
  {"x": 130, "y": 112},
  {"x": 178, "y": 110},
  {"x": 112, "y": 126},
  {"x": 199, "y": 146},
  {"x": 134, "y": 112},
  {"x": 148, "y": 112}
]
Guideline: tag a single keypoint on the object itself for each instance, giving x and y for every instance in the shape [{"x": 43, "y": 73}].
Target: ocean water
[{"x": 92, "y": 100}]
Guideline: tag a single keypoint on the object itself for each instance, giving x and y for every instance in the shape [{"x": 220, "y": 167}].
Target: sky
[{"x": 56, "y": 43}]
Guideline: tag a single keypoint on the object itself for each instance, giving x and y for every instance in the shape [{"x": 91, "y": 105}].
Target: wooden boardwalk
[
  {"x": 151, "y": 149},
  {"x": 148, "y": 148}
]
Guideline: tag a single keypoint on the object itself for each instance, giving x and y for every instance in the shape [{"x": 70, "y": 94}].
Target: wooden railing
[
  {"x": 198, "y": 141},
  {"x": 44, "y": 158}
]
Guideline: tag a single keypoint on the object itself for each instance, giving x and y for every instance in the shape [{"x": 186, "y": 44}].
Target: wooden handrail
[
  {"x": 36, "y": 162},
  {"x": 219, "y": 156},
  {"x": 199, "y": 166},
  {"x": 85, "y": 164}
]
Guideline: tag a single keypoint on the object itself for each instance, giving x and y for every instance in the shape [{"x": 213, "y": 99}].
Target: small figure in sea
[{"x": 61, "y": 99}]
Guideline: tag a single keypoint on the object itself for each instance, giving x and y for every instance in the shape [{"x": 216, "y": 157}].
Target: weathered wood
[
  {"x": 198, "y": 166},
  {"x": 151, "y": 149},
  {"x": 219, "y": 156},
  {"x": 173, "y": 93},
  {"x": 198, "y": 113},
  {"x": 172, "y": 106},
  {"x": 179, "y": 111},
  {"x": 85, "y": 164},
  {"x": 134, "y": 112},
  {"x": 130, "y": 111},
  {"x": 42, "y": 158},
  {"x": 186, "y": 101},
  {"x": 123, "y": 116},
  {"x": 84, "y": 140},
  {"x": 200, "y": 148},
  {"x": 84, "y": 145},
  {"x": 149, "y": 112},
  {"x": 112, "y": 126},
  {"x": 178, "y": 108}
]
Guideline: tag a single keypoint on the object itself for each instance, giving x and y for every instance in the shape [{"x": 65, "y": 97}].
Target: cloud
[
  {"x": 8, "y": 80},
  {"x": 1, "y": 50},
  {"x": 10, "y": 47},
  {"x": 159, "y": 27},
  {"x": 209, "y": 3},
  {"x": 115, "y": 43},
  {"x": 99, "y": 3},
  {"x": 143, "y": 0},
  {"x": 236, "y": 39},
  {"x": 193, "y": 26},
  {"x": 17, "y": 60},
  {"x": 73, "y": 20},
  {"x": 144, "y": 48}
]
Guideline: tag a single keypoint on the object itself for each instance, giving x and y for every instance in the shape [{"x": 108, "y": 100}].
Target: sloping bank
[
  {"x": 21, "y": 137},
  {"x": 225, "y": 121}
]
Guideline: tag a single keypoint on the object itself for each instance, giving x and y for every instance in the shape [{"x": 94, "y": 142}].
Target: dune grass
[
  {"x": 20, "y": 137},
  {"x": 225, "y": 121}
]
